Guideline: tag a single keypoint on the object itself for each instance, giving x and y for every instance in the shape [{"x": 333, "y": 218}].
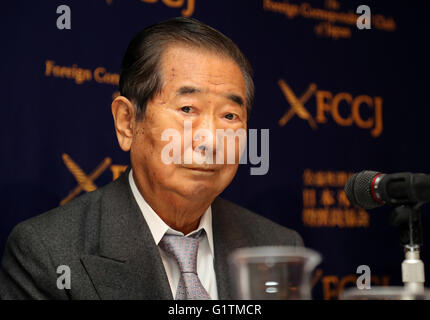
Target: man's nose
[{"x": 204, "y": 135}]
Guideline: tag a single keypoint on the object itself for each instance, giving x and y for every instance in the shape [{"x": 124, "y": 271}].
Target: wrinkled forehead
[{"x": 209, "y": 70}]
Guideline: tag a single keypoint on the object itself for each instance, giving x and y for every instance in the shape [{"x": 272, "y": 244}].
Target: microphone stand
[{"x": 408, "y": 220}]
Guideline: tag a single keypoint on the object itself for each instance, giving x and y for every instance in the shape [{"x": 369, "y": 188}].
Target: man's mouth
[{"x": 200, "y": 168}]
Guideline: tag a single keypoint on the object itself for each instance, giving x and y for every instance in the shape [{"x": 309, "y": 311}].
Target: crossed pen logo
[
  {"x": 297, "y": 104},
  {"x": 85, "y": 182}
]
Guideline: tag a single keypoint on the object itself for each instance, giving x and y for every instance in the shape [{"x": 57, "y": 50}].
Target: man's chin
[{"x": 197, "y": 190}]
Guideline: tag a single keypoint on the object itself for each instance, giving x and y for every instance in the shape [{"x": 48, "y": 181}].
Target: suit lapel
[
  {"x": 128, "y": 265},
  {"x": 227, "y": 238}
]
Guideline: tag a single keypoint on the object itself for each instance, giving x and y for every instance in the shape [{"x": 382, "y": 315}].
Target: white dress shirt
[{"x": 205, "y": 254}]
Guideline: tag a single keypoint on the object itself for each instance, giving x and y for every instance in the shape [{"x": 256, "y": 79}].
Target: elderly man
[{"x": 159, "y": 231}]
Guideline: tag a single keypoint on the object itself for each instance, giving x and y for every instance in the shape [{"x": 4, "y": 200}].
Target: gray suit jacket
[{"x": 104, "y": 239}]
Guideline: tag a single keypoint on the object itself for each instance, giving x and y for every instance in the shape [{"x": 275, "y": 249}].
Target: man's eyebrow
[
  {"x": 190, "y": 90},
  {"x": 187, "y": 90},
  {"x": 236, "y": 99}
]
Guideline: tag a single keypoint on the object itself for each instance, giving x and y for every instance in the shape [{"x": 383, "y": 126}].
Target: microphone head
[{"x": 358, "y": 190}]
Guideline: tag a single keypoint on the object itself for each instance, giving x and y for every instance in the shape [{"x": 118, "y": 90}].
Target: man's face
[{"x": 207, "y": 91}]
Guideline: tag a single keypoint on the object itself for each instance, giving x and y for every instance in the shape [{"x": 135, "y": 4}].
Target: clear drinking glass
[
  {"x": 384, "y": 293},
  {"x": 273, "y": 273}
]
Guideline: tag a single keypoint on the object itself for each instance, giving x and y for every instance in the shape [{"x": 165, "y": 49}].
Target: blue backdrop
[{"x": 363, "y": 104}]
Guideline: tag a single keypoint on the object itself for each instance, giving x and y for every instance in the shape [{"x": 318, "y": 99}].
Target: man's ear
[{"x": 124, "y": 117}]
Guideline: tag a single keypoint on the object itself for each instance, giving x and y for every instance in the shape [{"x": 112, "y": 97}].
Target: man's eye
[
  {"x": 231, "y": 116},
  {"x": 187, "y": 109}
]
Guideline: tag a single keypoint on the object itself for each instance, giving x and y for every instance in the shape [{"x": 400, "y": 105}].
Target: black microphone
[{"x": 371, "y": 189}]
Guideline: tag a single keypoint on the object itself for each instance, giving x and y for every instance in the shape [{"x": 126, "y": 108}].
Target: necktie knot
[{"x": 183, "y": 249}]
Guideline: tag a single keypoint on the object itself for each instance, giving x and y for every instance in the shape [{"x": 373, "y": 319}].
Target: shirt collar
[{"x": 158, "y": 227}]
